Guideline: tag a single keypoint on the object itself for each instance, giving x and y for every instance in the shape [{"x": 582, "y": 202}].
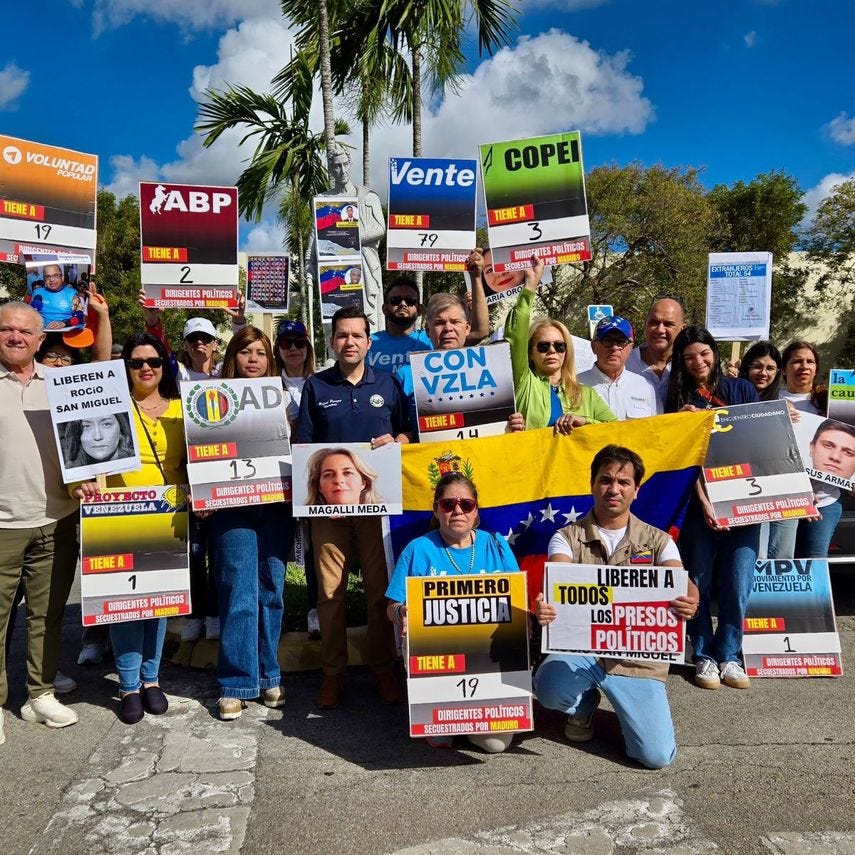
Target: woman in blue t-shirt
[{"x": 455, "y": 547}]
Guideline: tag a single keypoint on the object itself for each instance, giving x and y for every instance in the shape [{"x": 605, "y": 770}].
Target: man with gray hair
[{"x": 38, "y": 518}]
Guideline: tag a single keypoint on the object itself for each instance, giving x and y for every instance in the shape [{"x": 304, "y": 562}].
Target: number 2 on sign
[
  {"x": 468, "y": 687},
  {"x": 185, "y": 275}
]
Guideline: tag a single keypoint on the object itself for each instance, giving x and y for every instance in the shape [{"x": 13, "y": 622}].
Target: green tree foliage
[
  {"x": 765, "y": 215},
  {"x": 831, "y": 240}
]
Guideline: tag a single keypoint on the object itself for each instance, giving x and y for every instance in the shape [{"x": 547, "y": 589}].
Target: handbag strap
[{"x": 150, "y": 443}]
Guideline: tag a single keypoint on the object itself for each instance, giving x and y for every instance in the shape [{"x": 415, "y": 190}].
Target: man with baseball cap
[{"x": 630, "y": 396}]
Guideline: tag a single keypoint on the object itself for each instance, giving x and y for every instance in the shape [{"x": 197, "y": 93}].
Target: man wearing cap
[
  {"x": 196, "y": 361},
  {"x": 628, "y": 395},
  {"x": 350, "y": 402},
  {"x": 653, "y": 358},
  {"x": 38, "y": 518},
  {"x": 391, "y": 348}
]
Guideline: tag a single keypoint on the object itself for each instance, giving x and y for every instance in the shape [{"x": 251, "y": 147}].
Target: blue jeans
[
  {"x": 249, "y": 548},
  {"x": 735, "y": 552},
  {"x": 137, "y": 647},
  {"x": 567, "y": 683},
  {"x": 814, "y": 538},
  {"x": 782, "y": 539}
]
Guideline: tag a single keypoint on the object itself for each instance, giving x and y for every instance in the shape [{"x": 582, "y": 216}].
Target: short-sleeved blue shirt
[
  {"x": 333, "y": 409},
  {"x": 389, "y": 352}
]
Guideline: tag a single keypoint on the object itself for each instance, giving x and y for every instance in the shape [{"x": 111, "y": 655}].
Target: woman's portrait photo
[
  {"x": 338, "y": 476},
  {"x": 96, "y": 440}
]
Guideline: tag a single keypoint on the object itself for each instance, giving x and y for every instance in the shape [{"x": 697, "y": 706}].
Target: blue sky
[{"x": 735, "y": 86}]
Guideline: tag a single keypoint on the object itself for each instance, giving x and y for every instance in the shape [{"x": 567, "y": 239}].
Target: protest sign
[
  {"x": 739, "y": 294},
  {"x": 341, "y": 285},
  {"x": 267, "y": 283},
  {"x": 347, "y": 479},
  {"x": 841, "y": 395},
  {"x": 90, "y": 406},
  {"x": 238, "y": 450},
  {"x": 47, "y": 196},
  {"x": 753, "y": 470},
  {"x": 615, "y": 611},
  {"x": 583, "y": 355},
  {"x": 789, "y": 626},
  {"x": 134, "y": 563},
  {"x": 431, "y": 224},
  {"x": 467, "y": 657},
  {"x": 595, "y": 315},
  {"x": 535, "y": 196},
  {"x": 502, "y": 286},
  {"x": 188, "y": 236},
  {"x": 827, "y": 449},
  {"x": 463, "y": 394},
  {"x": 58, "y": 286}
]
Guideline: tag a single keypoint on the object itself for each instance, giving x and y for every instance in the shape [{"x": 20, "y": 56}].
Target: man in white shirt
[
  {"x": 629, "y": 395},
  {"x": 653, "y": 358}
]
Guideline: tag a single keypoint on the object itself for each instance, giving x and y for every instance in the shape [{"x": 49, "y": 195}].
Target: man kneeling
[{"x": 611, "y": 535}]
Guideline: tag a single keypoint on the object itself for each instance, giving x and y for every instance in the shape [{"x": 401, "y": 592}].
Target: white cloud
[
  {"x": 13, "y": 81},
  {"x": 822, "y": 191},
  {"x": 266, "y": 236},
  {"x": 750, "y": 39},
  {"x": 842, "y": 129},
  {"x": 188, "y": 14}
]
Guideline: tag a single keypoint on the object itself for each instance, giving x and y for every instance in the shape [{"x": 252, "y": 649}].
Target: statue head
[{"x": 339, "y": 166}]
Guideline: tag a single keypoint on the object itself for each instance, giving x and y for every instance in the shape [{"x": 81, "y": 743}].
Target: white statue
[{"x": 372, "y": 226}]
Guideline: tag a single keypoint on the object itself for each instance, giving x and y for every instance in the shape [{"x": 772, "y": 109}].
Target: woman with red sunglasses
[{"x": 454, "y": 547}]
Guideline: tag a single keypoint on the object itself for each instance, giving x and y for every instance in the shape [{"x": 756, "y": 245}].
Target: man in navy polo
[{"x": 350, "y": 402}]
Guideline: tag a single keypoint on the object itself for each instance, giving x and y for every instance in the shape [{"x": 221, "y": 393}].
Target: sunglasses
[
  {"x": 612, "y": 343},
  {"x": 448, "y": 505},
  {"x": 151, "y": 361},
  {"x": 546, "y": 346},
  {"x": 199, "y": 336},
  {"x": 288, "y": 343},
  {"x": 400, "y": 298}
]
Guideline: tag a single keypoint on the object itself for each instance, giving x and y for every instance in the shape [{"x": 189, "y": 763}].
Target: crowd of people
[{"x": 238, "y": 556}]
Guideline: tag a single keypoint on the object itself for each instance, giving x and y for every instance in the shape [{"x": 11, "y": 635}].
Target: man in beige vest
[{"x": 611, "y": 535}]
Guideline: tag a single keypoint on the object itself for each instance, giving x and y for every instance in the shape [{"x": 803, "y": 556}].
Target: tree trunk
[
  {"x": 417, "y": 133},
  {"x": 326, "y": 75},
  {"x": 366, "y": 159}
]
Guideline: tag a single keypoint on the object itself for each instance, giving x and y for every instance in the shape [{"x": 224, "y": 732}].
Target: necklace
[
  {"x": 160, "y": 403},
  {"x": 471, "y": 558}
]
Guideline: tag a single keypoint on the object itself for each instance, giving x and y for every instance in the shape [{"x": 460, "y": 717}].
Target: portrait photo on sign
[
  {"x": 341, "y": 285},
  {"x": 501, "y": 286},
  {"x": 347, "y": 479},
  {"x": 97, "y": 439},
  {"x": 58, "y": 288},
  {"x": 827, "y": 448}
]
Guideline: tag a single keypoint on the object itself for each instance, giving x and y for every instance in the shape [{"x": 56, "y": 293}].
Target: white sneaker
[
  {"x": 2, "y": 734},
  {"x": 313, "y": 625},
  {"x": 706, "y": 674},
  {"x": 212, "y": 627},
  {"x": 733, "y": 675},
  {"x": 62, "y": 685},
  {"x": 92, "y": 653},
  {"x": 48, "y": 710},
  {"x": 192, "y": 629}
]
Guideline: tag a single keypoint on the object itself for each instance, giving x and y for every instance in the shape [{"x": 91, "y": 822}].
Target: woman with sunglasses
[
  {"x": 249, "y": 550},
  {"x": 697, "y": 383},
  {"x": 547, "y": 391},
  {"x": 295, "y": 359},
  {"x": 198, "y": 357},
  {"x": 159, "y": 426},
  {"x": 455, "y": 547}
]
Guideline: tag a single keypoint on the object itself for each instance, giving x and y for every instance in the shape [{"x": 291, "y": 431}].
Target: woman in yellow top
[
  {"x": 547, "y": 392},
  {"x": 137, "y": 645}
]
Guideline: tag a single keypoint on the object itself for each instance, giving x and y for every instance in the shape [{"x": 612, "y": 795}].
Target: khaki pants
[
  {"x": 45, "y": 558},
  {"x": 334, "y": 542}
]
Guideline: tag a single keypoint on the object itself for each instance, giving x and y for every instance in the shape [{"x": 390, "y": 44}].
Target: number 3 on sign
[{"x": 756, "y": 489}]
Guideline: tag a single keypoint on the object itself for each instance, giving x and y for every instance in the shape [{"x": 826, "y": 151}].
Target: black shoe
[
  {"x": 131, "y": 708},
  {"x": 154, "y": 701}
]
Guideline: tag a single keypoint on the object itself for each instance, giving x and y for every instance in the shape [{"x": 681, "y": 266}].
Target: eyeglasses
[
  {"x": 199, "y": 336},
  {"x": 64, "y": 358},
  {"x": 763, "y": 369},
  {"x": 288, "y": 343},
  {"x": 448, "y": 505},
  {"x": 57, "y": 276},
  {"x": 546, "y": 346},
  {"x": 152, "y": 361},
  {"x": 400, "y": 298},
  {"x": 614, "y": 342}
]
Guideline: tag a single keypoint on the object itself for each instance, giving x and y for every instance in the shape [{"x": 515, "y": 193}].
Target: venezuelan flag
[
  {"x": 332, "y": 279},
  {"x": 530, "y": 484},
  {"x": 327, "y": 216}
]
